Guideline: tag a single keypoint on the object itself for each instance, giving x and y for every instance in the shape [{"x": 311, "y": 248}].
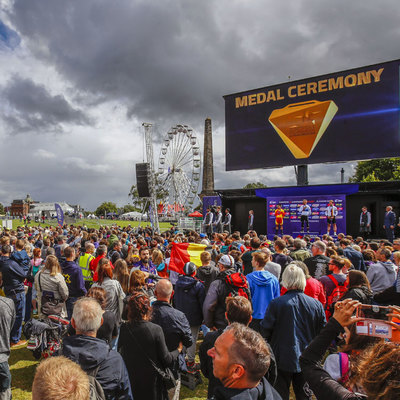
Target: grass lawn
[{"x": 94, "y": 223}]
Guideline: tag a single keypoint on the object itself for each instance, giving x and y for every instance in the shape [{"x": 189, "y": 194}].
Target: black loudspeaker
[{"x": 142, "y": 179}]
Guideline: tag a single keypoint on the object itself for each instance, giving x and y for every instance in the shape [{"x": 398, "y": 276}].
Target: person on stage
[
  {"x": 305, "y": 212},
  {"x": 389, "y": 222},
  {"x": 208, "y": 219},
  {"x": 365, "y": 222},
  {"x": 279, "y": 215},
  {"x": 250, "y": 225},
  {"x": 218, "y": 221},
  {"x": 227, "y": 220},
  {"x": 331, "y": 213}
]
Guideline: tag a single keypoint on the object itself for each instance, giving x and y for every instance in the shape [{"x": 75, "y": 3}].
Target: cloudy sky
[{"x": 78, "y": 78}]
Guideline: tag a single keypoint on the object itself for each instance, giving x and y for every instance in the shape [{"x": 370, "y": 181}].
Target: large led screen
[{"x": 348, "y": 115}]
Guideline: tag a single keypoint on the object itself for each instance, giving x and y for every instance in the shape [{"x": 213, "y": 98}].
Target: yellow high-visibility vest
[{"x": 84, "y": 262}]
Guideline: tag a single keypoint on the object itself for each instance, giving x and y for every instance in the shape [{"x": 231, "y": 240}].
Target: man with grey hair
[
  {"x": 317, "y": 264},
  {"x": 271, "y": 266},
  {"x": 290, "y": 323},
  {"x": 241, "y": 358},
  {"x": 93, "y": 354}
]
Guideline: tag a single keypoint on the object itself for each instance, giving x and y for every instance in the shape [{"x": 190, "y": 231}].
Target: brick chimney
[{"x": 208, "y": 162}]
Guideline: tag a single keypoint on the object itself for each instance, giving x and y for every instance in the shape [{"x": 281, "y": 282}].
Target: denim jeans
[
  {"x": 28, "y": 305},
  {"x": 70, "y": 306},
  {"x": 114, "y": 342},
  {"x": 19, "y": 302},
  {"x": 5, "y": 381}
]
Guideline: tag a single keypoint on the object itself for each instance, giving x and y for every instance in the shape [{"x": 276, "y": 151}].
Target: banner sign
[
  {"x": 209, "y": 201},
  {"x": 60, "y": 214},
  {"x": 317, "y": 219},
  {"x": 344, "y": 116}
]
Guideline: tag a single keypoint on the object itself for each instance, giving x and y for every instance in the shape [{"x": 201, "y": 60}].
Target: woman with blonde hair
[
  {"x": 52, "y": 291},
  {"x": 158, "y": 260}
]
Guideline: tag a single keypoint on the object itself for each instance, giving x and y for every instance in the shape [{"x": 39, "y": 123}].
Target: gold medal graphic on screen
[{"x": 301, "y": 125}]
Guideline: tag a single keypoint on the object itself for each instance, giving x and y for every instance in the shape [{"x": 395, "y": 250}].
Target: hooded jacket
[
  {"x": 207, "y": 274},
  {"x": 355, "y": 257},
  {"x": 381, "y": 276},
  {"x": 214, "y": 304},
  {"x": 263, "y": 287},
  {"x": 91, "y": 353},
  {"x": 13, "y": 275},
  {"x": 22, "y": 258},
  {"x": 189, "y": 298},
  {"x": 263, "y": 391},
  {"x": 72, "y": 274}
]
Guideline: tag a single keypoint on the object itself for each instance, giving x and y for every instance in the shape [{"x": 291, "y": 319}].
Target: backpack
[
  {"x": 96, "y": 391},
  {"x": 236, "y": 246},
  {"x": 236, "y": 284},
  {"x": 339, "y": 290}
]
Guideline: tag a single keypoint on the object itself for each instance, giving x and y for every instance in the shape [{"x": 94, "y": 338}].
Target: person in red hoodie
[
  {"x": 101, "y": 253},
  {"x": 313, "y": 287}
]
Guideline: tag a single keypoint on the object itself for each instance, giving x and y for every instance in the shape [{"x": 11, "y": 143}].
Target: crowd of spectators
[{"x": 131, "y": 318}]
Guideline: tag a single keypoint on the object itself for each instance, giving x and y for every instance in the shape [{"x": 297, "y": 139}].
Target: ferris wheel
[{"x": 179, "y": 169}]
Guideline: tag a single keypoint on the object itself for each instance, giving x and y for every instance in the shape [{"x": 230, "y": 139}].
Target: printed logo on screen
[{"x": 301, "y": 125}]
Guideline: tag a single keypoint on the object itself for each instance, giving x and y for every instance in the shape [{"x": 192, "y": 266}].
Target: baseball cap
[
  {"x": 189, "y": 268},
  {"x": 227, "y": 261},
  {"x": 202, "y": 235}
]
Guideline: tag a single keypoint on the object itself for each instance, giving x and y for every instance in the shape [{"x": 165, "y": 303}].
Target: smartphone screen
[{"x": 373, "y": 312}]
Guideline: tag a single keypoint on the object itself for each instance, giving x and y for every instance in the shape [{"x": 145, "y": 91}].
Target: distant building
[
  {"x": 19, "y": 208},
  {"x": 32, "y": 208},
  {"x": 38, "y": 208}
]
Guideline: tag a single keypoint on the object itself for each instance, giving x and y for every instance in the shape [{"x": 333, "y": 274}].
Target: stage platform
[{"x": 300, "y": 234}]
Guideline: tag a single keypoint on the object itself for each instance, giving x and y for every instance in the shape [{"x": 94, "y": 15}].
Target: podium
[{"x": 312, "y": 234}]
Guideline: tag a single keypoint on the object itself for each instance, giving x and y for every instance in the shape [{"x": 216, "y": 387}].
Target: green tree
[
  {"x": 105, "y": 208},
  {"x": 255, "y": 185},
  {"x": 384, "y": 169},
  {"x": 128, "y": 208},
  {"x": 1, "y": 209}
]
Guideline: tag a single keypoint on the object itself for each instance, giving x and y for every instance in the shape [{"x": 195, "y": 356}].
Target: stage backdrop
[
  {"x": 344, "y": 116},
  {"x": 317, "y": 219}
]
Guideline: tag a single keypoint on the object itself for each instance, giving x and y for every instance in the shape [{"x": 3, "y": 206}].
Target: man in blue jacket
[
  {"x": 389, "y": 222},
  {"x": 13, "y": 281},
  {"x": 94, "y": 355},
  {"x": 290, "y": 323},
  {"x": 73, "y": 276},
  {"x": 189, "y": 298},
  {"x": 353, "y": 255}
]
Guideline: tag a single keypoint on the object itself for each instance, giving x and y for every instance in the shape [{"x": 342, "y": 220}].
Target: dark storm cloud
[
  {"x": 32, "y": 108},
  {"x": 170, "y": 62},
  {"x": 173, "y": 60}
]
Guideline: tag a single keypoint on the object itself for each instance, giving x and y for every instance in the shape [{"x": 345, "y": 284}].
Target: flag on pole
[
  {"x": 181, "y": 253},
  {"x": 60, "y": 214}
]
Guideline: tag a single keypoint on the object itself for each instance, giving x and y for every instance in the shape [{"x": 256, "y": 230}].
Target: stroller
[{"x": 45, "y": 335}]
